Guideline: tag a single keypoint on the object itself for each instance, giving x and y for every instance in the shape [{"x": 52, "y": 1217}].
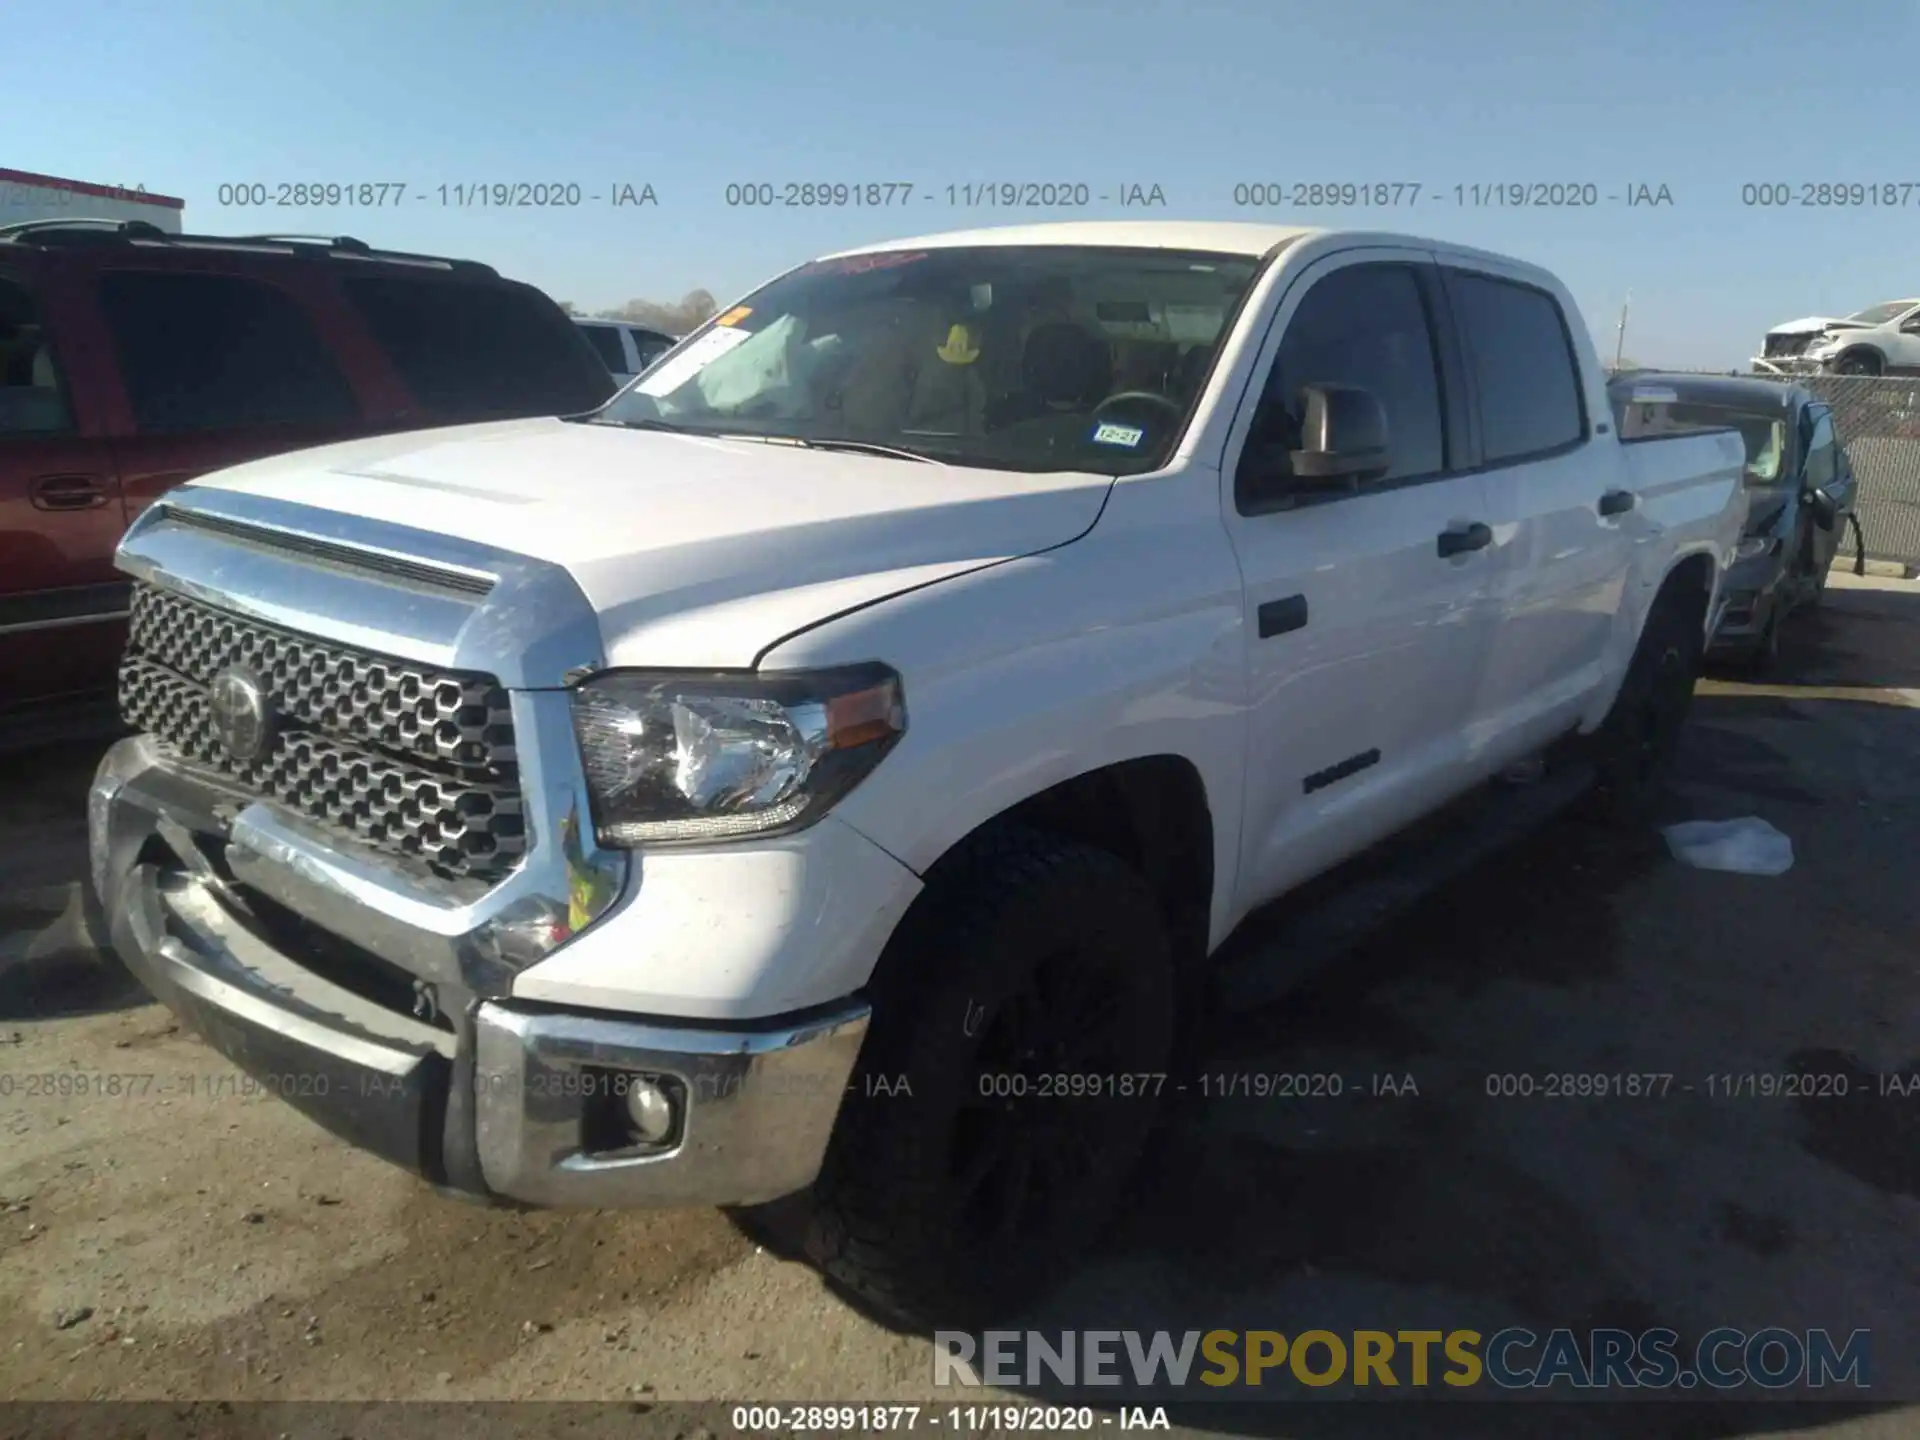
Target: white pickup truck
[{"x": 828, "y": 767}]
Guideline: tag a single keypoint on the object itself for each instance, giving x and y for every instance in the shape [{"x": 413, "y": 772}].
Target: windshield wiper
[
  {"x": 857, "y": 447},
  {"x": 663, "y": 425}
]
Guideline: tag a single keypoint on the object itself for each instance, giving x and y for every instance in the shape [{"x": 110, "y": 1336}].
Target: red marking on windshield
[{"x": 860, "y": 264}]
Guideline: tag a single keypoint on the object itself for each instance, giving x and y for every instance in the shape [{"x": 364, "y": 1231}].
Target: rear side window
[
  {"x": 650, "y": 346},
  {"x": 606, "y": 341},
  {"x": 481, "y": 352},
  {"x": 217, "y": 352},
  {"x": 1529, "y": 381}
]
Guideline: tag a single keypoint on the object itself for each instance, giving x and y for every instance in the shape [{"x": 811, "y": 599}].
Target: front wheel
[
  {"x": 1634, "y": 748},
  {"x": 1861, "y": 362},
  {"x": 1022, "y": 1029}
]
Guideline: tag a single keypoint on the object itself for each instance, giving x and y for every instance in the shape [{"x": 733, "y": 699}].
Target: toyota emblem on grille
[{"x": 243, "y": 718}]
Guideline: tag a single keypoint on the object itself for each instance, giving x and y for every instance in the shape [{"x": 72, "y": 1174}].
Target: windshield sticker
[
  {"x": 1126, "y": 436},
  {"x": 735, "y": 315},
  {"x": 666, "y": 378},
  {"x": 959, "y": 349},
  {"x": 860, "y": 264}
]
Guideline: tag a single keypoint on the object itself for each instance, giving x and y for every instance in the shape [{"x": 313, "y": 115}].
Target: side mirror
[
  {"x": 1338, "y": 444},
  {"x": 1825, "y": 511},
  {"x": 1343, "y": 435}
]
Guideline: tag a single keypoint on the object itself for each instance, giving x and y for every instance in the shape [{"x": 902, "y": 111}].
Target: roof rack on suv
[
  {"x": 82, "y": 230},
  {"x": 332, "y": 242},
  {"x": 132, "y": 229}
]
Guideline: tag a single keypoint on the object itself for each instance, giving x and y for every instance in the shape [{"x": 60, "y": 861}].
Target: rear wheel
[
  {"x": 1634, "y": 748},
  {"x": 1006, "y": 1086}
]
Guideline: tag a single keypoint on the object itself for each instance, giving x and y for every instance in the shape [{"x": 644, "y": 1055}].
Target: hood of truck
[{"x": 694, "y": 551}]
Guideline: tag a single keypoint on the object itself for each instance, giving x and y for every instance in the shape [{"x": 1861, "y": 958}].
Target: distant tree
[
  {"x": 569, "y": 308},
  {"x": 693, "y": 310}
]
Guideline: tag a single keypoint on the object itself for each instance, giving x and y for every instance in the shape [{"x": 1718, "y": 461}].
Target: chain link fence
[{"x": 1877, "y": 419}]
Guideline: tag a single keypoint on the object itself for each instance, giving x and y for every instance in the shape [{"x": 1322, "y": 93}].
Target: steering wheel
[{"x": 1169, "y": 407}]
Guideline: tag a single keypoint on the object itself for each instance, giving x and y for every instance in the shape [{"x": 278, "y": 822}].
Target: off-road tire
[
  {"x": 1017, "y": 929},
  {"x": 1634, "y": 748}
]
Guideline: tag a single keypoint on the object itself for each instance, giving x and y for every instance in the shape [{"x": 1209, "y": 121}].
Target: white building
[{"x": 27, "y": 196}]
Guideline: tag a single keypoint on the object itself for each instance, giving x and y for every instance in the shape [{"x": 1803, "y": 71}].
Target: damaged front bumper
[{"x": 263, "y": 939}]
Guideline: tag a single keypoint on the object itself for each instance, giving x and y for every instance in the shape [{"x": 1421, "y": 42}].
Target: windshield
[
  {"x": 1881, "y": 314},
  {"x": 1014, "y": 357}
]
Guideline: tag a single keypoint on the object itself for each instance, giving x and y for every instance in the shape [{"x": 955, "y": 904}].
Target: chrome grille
[{"x": 383, "y": 752}]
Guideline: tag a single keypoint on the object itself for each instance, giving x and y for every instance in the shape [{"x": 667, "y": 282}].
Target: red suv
[{"x": 132, "y": 360}]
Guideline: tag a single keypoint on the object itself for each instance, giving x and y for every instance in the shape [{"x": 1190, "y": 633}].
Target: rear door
[
  {"x": 61, "y": 601},
  {"x": 1562, "y": 517},
  {"x": 1365, "y": 628},
  {"x": 218, "y": 365}
]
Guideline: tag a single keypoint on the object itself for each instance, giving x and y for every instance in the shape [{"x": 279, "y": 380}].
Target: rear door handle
[
  {"x": 1617, "y": 502},
  {"x": 68, "y": 492},
  {"x": 1459, "y": 539}
]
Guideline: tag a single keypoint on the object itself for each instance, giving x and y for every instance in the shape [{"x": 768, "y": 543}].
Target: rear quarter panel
[{"x": 1690, "y": 502}]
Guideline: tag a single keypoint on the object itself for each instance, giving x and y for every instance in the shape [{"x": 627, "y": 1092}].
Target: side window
[
  {"x": 650, "y": 346},
  {"x": 32, "y": 400},
  {"x": 1364, "y": 325},
  {"x": 606, "y": 342},
  {"x": 1821, "y": 451},
  {"x": 1523, "y": 358},
  {"x": 212, "y": 352}
]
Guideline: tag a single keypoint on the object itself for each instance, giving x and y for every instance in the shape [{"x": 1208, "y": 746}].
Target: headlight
[
  {"x": 1755, "y": 545},
  {"x": 680, "y": 757}
]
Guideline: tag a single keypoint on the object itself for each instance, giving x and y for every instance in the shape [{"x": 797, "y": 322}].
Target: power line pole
[{"x": 1620, "y": 341}]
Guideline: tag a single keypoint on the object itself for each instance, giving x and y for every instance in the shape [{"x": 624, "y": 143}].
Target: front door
[{"x": 1366, "y": 613}]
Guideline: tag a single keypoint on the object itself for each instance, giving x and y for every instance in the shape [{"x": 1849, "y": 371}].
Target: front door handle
[
  {"x": 1617, "y": 502},
  {"x": 1459, "y": 539},
  {"x": 68, "y": 492}
]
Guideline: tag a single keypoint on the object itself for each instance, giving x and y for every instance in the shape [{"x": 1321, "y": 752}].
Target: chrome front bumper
[{"x": 249, "y": 933}]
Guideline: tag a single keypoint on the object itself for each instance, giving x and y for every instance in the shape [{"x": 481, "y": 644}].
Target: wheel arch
[
  {"x": 1693, "y": 575},
  {"x": 1879, "y": 357},
  {"x": 1153, "y": 812}
]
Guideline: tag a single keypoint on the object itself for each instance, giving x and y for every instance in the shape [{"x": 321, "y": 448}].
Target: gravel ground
[{"x": 164, "y": 1245}]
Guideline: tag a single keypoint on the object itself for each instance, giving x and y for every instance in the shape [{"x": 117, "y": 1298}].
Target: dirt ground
[{"x": 156, "y": 1244}]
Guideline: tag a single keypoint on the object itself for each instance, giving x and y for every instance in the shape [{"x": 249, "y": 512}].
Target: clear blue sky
[{"x": 1192, "y": 95}]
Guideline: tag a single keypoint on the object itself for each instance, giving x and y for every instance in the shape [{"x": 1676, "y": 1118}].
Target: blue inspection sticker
[{"x": 1127, "y": 437}]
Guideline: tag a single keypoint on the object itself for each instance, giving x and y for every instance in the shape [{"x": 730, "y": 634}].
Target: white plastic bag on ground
[{"x": 1747, "y": 846}]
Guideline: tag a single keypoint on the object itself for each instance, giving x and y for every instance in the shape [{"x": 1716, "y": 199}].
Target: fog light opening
[{"x": 631, "y": 1113}]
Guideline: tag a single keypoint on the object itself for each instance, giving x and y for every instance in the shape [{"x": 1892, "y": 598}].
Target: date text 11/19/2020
[
  {"x": 453, "y": 195},
  {"x": 1477, "y": 195}
]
